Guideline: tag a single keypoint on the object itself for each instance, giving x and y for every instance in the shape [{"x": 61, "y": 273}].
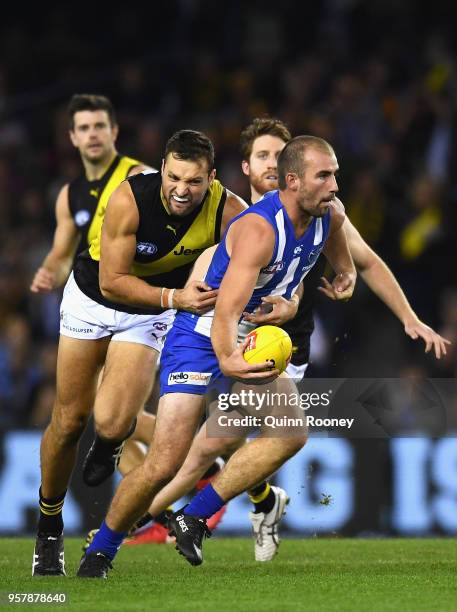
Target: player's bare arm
[
  {"x": 201, "y": 265},
  {"x": 337, "y": 252},
  {"x": 118, "y": 246},
  {"x": 235, "y": 292},
  {"x": 234, "y": 205},
  {"x": 383, "y": 283},
  {"x": 56, "y": 266}
]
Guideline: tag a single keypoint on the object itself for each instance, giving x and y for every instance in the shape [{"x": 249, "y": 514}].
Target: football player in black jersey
[
  {"x": 93, "y": 131},
  {"x": 155, "y": 226}
]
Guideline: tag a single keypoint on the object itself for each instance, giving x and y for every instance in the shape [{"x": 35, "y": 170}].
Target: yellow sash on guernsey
[
  {"x": 199, "y": 236},
  {"x": 120, "y": 173}
]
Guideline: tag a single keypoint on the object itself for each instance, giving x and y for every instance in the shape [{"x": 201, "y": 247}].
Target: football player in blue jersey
[
  {"x": 303, "y": 214},
  {"x": 261, "y": 143}
]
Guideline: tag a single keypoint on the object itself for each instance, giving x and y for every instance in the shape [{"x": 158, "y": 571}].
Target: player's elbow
[
  {"x": 368, "y": 265},
  {"x": 107, "y": 286}
]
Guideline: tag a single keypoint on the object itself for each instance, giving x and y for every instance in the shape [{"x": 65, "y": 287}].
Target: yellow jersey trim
[{"x": 94, "y": 234}]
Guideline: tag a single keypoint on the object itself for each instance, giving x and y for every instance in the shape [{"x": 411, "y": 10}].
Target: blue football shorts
[{"x": 188, "y": 364}]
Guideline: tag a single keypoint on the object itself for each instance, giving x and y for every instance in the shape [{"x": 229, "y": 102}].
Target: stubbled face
[
  {"x": 262, "y": 166},
  {"x": 184, "y": 183},
  {"x": 317, "y": 187},
  {"x": 94, "y": 135}
]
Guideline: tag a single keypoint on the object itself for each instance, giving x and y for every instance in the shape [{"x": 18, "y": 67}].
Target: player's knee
[
  {"x": 160, "y": 473},
  {"x": 205, "y": 452},
  {"x": 68, "y": 426},
  {"x": 293, "y": 445},
  {"x": 227, "y": 448},
  {"x": 112, "y": 427}
]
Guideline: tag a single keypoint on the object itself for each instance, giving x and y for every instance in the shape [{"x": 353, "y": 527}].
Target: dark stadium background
[{"x": 378, "y": 80}]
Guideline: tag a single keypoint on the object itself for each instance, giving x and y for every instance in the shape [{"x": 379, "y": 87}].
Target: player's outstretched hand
[
  {"x": 234, "y": 366},
  {"x": 416, "y": 329},
  {"x": 43, "y": 281},
  {"x": 274, "y": 310},
  {"x": 196, "y": 297},
  {"x": 341, "y": 288}
]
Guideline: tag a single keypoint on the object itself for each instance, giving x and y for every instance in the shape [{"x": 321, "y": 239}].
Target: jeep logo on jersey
[
  {"x": 82, "y": 217},
  {"x": 184, "y": 251},
  {"x": 146, "y": 248},
  {"x": 277, "y": 266},
  {"x": 189, "y": 378}
]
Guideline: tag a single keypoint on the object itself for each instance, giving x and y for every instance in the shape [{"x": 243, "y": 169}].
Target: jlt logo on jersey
[{"x": 146, "y": 248}]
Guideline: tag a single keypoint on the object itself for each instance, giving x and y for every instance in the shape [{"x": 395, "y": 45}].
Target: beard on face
[
  {"x": 318, "y": 210},
  {"x": 261, "y": 184}
]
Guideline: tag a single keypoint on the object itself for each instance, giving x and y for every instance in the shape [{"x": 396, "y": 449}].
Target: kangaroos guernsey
[
  {"x": 87, "y": 199},
  {"x": 301, "y": 326},
  {"x": 166, "y": 245},
  {"x": 291, "y": 261}
]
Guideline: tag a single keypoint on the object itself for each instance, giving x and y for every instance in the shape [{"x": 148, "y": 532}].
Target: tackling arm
[
  {"x": 383, "y": 283},
  {"x": 337, "y": 252},
  {"x": 118, "y": 246}
]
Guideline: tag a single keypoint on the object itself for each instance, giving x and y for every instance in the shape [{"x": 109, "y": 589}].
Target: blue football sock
[
  {"x": 205, "y": 503},
  {"x": 106, "y": 541}
]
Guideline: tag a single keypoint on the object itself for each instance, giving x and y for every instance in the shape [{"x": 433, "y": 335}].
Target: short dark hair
[
  {"x": 190, "y": 145},
  {"x": 291, "y": 158},
  {"x": 262, "y": 126},
  {"x": 90, "y": 102}
]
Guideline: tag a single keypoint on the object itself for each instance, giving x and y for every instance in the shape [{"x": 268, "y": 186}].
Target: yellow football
[{"x": 269, "y": 343}]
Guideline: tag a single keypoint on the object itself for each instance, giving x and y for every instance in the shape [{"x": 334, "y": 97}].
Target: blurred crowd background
[{"x": 376, "y": 79}]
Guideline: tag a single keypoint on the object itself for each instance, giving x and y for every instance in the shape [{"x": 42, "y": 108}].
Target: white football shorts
[{"x": 84, "y": 319}]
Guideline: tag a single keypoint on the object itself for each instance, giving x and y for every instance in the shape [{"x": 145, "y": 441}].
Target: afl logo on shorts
[
  {"x": 82, "y": 217},
  {"x": 146, "y": 248}
]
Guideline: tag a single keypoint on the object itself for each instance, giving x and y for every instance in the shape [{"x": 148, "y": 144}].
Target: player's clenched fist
[{"x": 44, "y": 280}]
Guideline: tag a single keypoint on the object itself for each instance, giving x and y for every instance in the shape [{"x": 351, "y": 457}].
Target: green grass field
[{"x": 315, "y": 574}]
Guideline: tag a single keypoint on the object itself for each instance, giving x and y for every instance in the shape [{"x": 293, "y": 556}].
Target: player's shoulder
[
  {"x": 138, "y": 167},
  {"x": 145, "y": 179},
  {"x": 253, "y": 224}
]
